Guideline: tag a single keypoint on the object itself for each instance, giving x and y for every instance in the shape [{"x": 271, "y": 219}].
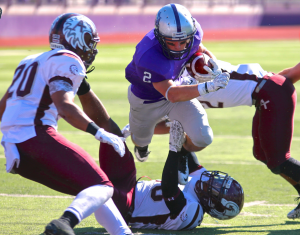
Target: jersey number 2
[
  {"x": 28, "y": 76},
  {"x": 147, "y": 77}
]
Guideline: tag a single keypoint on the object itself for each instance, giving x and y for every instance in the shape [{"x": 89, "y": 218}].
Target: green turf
[{"x": 231, "y": 150}]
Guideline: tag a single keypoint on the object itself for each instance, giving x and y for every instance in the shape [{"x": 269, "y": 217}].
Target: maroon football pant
[
  {"x": 52, "y": 160},
  {"x": 273, "y": 122},
  {"x": 122, "y": 173}
]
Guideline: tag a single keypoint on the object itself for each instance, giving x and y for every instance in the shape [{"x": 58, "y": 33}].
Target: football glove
[
  {"x": 111, "y": 139},
  {"x": 220, "y": 82},
  {"x": 211, "y": 73},
  {"x": 126, "y": 131}
]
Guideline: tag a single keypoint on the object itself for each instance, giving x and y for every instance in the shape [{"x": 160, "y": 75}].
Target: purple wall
[{"x": 39, "y": 25}]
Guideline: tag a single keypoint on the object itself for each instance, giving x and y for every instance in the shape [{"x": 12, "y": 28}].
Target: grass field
[{"x": 26, "y": 207}]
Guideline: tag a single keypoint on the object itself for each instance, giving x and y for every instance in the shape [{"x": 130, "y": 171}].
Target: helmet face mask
[
  {"x": 77, "y": 33},
  {"x": 221, "y": 196},
  {"x": 175, "y": 23}
]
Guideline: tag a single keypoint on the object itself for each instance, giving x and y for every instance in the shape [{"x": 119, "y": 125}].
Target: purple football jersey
[{"x": 150, "y": 65}]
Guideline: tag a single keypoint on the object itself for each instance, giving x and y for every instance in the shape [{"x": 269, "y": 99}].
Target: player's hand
[
  {"x": 126, "y": 131},
  {"x": 111, "y": 139},
  {"x": 211, "y": 73},
  {"x": 220, "y": 82}
]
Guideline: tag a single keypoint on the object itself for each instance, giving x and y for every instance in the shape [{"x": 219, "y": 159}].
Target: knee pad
[{"x": 204, "y": 138}]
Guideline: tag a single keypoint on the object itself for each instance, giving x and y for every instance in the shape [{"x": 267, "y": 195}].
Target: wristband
[
  {"x": 166, "y": 95},
  {"x": 206, "y": 88},
  {"x": 92, "y": 128},
  {"x": 84, "y": 87}
]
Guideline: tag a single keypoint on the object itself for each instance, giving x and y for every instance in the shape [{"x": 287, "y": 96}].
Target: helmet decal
[
  {"x": 176, "y": 17},
  {"x": 231, "y": 210},
  {"x": 74, "y": 29}
]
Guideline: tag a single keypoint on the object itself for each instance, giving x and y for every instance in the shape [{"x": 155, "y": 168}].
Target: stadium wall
[{"x": 129, "y": 24}]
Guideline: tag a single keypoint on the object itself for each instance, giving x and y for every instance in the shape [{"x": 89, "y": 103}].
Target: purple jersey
[{"x": 150, "y": 65}]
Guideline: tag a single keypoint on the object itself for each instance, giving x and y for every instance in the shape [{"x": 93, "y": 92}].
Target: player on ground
[
  {"x": 155, "y": 77},
  {"x": 164, "y": 204},
  {"x": 274, "y": 97},
  {"x": 42, "y": 91}
]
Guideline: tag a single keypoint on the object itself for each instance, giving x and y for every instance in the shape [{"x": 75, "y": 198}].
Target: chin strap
[{"x": 90, "y": 70}]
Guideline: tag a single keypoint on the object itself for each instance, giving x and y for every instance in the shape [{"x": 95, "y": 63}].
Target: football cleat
[
  {"x": 141, "y": 153},
  {"x": 58, "y": 227},
  {"x": 183, "y": 170},
  {"x": 177, "y": 136},
  {"x": 295, "y": 213}
]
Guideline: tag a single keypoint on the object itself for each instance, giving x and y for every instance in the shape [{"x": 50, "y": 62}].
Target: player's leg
[
  {"x": 277, "y": 105},
  {"x": 66, "y": 162},
  {"x": 194, "y": 120},
  {"x": 143, "y": 117},
  {"x": 122, "y": 173}
]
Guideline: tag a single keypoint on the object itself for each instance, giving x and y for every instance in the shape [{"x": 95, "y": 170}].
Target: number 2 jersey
[
  {"x": 29, "y": 102},
  {"x": 150, "y": 210}
]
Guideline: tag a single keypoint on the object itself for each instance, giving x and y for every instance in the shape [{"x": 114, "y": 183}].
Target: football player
[
  {"x": 154, "y": 74},
  {"x": 274, "y": 98},
  {"x": 164, "y": 204},
  {"x": 42, "y": 91}
]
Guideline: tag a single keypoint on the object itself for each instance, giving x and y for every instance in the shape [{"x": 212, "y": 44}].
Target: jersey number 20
[{"x": 28, "y": 76}]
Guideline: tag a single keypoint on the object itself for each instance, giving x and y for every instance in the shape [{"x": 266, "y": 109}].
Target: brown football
[{"x": 196, "y": 63}]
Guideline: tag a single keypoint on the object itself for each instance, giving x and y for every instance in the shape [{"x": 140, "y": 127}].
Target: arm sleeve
[{"x": 173, "y": 196}]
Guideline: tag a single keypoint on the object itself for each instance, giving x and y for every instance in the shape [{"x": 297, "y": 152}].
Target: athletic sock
[
  {"x": 89, "y": 200},
  {"x": 111, "y": 219}
]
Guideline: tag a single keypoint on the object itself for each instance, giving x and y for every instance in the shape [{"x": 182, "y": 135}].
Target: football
[{"x": 196, "y": 63}]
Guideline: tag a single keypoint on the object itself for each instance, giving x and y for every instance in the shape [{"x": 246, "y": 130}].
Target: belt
[{"x": 261, "y": 82}]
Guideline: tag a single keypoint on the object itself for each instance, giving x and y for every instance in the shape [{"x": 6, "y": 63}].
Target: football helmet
[
  {"x": 77, "y": 33},
  {"x": 221, "y": 196},
  {"x": 175, "y": 23}
]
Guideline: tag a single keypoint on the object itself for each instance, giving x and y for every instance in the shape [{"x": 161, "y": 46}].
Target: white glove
[
  {"x": 212, "y": 73},
  {"x": 220, "y": 82},
  {"x": 111, "y": 139},
  {"x": 126, "y": 131}
]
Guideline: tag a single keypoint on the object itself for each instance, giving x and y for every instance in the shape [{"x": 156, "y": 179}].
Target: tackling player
[
  {"x": 164, "y": 204},
  {"x": 274, "y": 98},
  {"x": 154, "y": 74},
  {"x": 42, "y": 91}
]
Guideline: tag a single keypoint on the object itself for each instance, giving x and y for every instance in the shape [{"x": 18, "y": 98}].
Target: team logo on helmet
[
  {"x": 74, "y": 30},
  {"x": 231, "y": 210}
]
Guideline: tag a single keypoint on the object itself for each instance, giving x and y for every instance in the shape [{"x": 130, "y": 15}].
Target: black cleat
[
  {"x": 58, "y": 227},
  {"x": 141, "y": 153}
]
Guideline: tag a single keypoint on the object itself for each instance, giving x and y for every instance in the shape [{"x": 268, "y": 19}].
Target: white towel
[{"x": 12, "y": 155}]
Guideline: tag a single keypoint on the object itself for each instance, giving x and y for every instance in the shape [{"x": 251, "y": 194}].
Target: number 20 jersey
[
  {"x": 29, "y": 102},
  {"x": 151, "y": 212}
]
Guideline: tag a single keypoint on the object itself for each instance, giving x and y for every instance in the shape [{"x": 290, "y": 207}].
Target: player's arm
[
  {"x": 3, "y": 104},
  {"x": 188, "y": 92},
  {"x": 176, "y": 93},
  {"x": 173, "y": 196},
  {"x": 95, "y": 110},
  {"x": 68, "y": 110},
  {"x": 292, "y": 73}
]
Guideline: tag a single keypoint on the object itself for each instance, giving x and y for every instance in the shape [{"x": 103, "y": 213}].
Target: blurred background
[{"x": 128, "y": 20}]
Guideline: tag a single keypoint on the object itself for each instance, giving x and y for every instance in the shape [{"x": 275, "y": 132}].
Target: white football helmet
[
  {"x": 176, "y": 23},
  {"x": 77, "y": 33}
]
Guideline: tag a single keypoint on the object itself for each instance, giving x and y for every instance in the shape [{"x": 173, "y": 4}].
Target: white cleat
[
  {"x": 295, "y": 213},
  {"x": 177, "y": 136}
]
